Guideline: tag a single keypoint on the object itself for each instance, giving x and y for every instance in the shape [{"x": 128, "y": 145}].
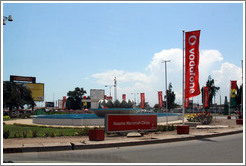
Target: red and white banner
[
  {"x": 160, "y": 99},
  {"x": 192, "y": 87},
  {"x": 142, "y": 101},
  {"x": 63, "y": 102},
  {"x": 206, "y": 97},
  {"x": 119, "y": 123},
  {"x": 124, "y": 97},
  {"x": 187, "y": 101}
]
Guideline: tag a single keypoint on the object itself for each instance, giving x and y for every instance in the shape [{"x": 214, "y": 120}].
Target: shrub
[
  {"x": 6, "y": 134},
  {"x": 17, "y": 135},
  {"x": 84, "y": 131},
  {"x": 6, "y": 118},
  {"x": 46, "y": 134},
  {"x": 24, "y": 134},
  {"x": 61, "y": 134},
  {"x": 52, "y": 134},
  {"x": 34, "y": 133}
]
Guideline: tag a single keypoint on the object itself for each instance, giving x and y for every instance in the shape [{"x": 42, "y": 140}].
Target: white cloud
[{"x": 135, "y": 82}]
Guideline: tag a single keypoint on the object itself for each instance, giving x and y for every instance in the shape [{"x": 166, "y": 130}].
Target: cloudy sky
[{"x": 65, "y": 45}]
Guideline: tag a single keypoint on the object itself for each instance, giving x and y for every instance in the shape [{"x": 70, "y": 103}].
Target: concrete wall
[{"x": 89, "y": 122}]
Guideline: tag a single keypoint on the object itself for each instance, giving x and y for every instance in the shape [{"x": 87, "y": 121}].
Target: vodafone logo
[{"x": 192, "y": 40}]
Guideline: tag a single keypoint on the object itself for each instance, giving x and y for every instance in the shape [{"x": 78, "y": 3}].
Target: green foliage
[
  {"x": 6, "y": 134},
  {"x": 83, "y": 132},
  {"x": 34, "y": 133},
  {"x": 6, "y": 118},
  {"x": 212, "y": 90},
  {"x": 171, "y": 97},
  {"x": 74, "y": 98},
  {"x": 24, "y": 134},
  {"x": 15, "y": 96}
]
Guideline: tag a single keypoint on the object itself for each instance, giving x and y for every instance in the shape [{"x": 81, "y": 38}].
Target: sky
[{"x": 86, "y": 45}]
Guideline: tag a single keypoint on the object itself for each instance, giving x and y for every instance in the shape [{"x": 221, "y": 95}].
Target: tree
[
  {"x": 239, "y": 96},
  {"x": 15, "y": 96},
  {"x": 74, "y": 98},
  {"x": 212, "y": 90},
  {"x": 171, "y": 97}
]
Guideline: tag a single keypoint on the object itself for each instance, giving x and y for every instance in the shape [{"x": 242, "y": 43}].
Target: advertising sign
[
  {"x": 60, "y": 102},
  {"x": 22, "y": 78},
  {"x": 49, "y": 104},
  {"x": 64, "y": 102},
  {"x": 37, "y": 91},
  {"x": 192, "y": 87},
  {"x": 125, "y": 123}
]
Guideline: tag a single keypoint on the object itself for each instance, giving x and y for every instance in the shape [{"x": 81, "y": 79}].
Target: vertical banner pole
[{"x": 183, "y": 83}]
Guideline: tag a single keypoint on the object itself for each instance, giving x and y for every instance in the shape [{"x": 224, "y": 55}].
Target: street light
[
  {"x": 9, "y": 18},
  {"x": 165, "y": 61},
  {"x": 110, "y": 86}
]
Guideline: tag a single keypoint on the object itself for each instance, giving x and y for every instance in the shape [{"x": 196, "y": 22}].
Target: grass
[{"x": 26, "y": 131}]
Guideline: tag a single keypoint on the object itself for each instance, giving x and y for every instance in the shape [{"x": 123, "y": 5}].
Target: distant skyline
[{"x": 86, "y": 45}]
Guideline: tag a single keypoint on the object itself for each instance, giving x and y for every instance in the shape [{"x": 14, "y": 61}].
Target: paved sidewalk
[{"x": 219, "y": 127}]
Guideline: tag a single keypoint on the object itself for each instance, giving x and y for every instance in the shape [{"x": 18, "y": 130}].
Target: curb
[{"x": 111, "y": 145}]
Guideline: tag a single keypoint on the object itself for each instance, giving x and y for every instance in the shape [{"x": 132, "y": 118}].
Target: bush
[
  {"x": 6, "y": 118},
  {"x": 34, "y": 133},
  {"x": 24, "y": 133},
  {"x": 46, "y": 134},
  {"x": 52, "y": 134},
  {"x": 6, "y": 134},
  {"x": 17, "y": 135},
  {"x": 83, "y": 132}
]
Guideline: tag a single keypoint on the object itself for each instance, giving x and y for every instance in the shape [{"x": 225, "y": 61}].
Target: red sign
[
  {"x": 206, "y": 97},
  {"x": 192, "y": 87},
  {"x": 142, "y": 100},
  {"x": 160, "y": 99},
  {"x": 105, "y": 96},
  {"x": 124, "y": 96},
  {"x": 121, "y": 123}
]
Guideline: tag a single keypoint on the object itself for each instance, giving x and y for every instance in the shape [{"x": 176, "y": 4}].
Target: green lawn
[{"x": 21, "y": 131}]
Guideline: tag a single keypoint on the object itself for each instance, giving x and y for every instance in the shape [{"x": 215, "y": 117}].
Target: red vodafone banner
[
  {"x": 206, "y": 97},
  {"x": 187, "y": 103},
  {"x": 192, "y": 87},
  {"x": 142, "y": 100},
  {"x": 63, "y": 102},
  {"x": 160, "y": 99},
  {"x": 124, "y": 96},
  {"x": 120, "y": 123}
]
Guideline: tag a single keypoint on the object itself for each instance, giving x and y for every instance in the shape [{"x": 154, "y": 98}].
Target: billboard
[
  {"x": 49, "y": 104},
  {"x": 125, "y": 123},
  {"x": 37, "y": 91},
  {"x": 22, "y": 78}
]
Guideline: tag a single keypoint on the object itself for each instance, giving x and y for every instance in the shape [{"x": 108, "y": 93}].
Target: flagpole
[{"x": 183, "y": 82}]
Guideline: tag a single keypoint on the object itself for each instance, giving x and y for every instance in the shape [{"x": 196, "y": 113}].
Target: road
[{"x": 225, "y": 149}]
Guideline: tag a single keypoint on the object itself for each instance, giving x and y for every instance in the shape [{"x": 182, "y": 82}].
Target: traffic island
[
  {"x": 239, "y": 121},
  {"x": 96, "y": 135},
  {"x": 183, "y": 129}
]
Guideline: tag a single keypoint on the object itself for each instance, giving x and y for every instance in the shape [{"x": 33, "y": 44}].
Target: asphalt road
[{"x": 225, "y": 149}]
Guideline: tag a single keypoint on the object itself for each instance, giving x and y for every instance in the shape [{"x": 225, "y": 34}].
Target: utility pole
[{"x": 165, "y": 61}]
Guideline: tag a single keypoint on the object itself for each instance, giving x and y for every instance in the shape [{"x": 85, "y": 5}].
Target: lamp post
[
  {"x": 165, "y": 61},
  {"x": 9, "y": 18},
  {"x": 110, "y": 86}
]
